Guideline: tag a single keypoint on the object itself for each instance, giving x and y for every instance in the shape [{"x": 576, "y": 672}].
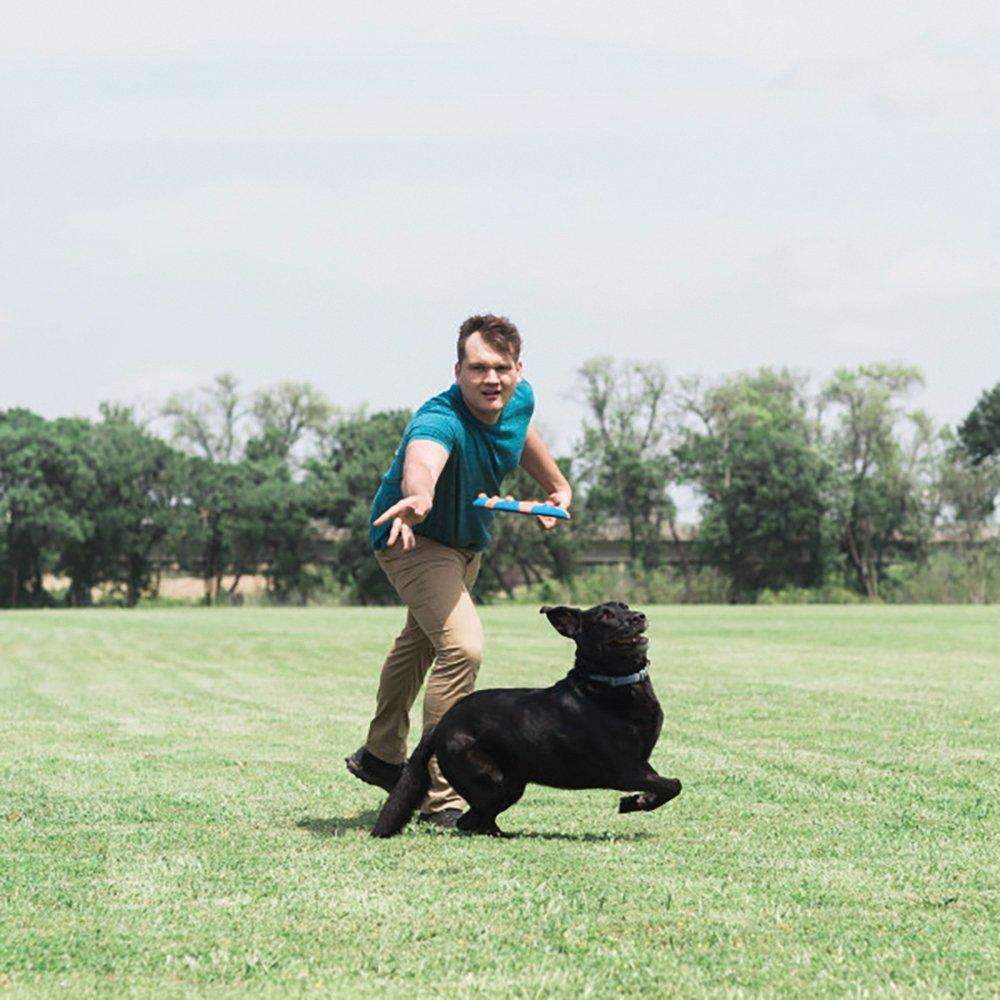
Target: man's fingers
[
  {"x": 393, "y": 511},
  {"x": 412, "y": 509},
  {"x": 409, "y": 539},
  {"x": 560, "y": 500},
  {"x": 393, "y": 532},
  {"x": 382, "y": 518},
  {"x": 401, "y": 530},
  {"x": 547, "y": 523}
]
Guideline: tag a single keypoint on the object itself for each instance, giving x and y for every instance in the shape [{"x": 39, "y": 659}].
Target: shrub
[
  {"x": 827, "y": 594},
  {"x": 632, "y": 584},
  {"x": 946, "y": 578}
]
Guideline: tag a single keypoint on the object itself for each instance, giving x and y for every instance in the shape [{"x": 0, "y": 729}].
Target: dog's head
[{"x": 610, "y": 633}]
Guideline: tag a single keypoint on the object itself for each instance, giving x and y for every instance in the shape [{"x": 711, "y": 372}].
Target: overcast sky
[{"x": 302, "y": 191}]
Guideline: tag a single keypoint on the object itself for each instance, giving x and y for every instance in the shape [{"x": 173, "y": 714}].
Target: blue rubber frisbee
[{"x": 521, "y": 507}]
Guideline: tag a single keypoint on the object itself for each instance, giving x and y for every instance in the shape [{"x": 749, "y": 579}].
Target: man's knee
[
  {"x": 461, "y": 653},
  {"x": 469, "y": 652}
]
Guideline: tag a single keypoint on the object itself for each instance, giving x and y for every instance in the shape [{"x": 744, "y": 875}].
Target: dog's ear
[{"x": 566, "y": 621}]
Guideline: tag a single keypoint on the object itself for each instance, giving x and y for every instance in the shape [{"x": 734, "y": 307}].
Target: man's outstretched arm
[
  {"x": 541, "y": 466},
  {"x": 422, "y": 465}
]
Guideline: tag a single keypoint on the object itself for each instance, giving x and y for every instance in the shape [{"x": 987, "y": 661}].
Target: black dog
[{"x": 594, "y": 729}]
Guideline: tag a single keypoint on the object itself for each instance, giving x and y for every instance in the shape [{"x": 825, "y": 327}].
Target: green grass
[{"x": 175, "y": 817}]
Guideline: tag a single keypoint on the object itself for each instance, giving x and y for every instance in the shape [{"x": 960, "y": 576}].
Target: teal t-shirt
[{"x": 480, "y": 456}]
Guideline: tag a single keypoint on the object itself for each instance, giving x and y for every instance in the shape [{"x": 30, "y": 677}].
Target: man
[{"x": 428, "y": 539}]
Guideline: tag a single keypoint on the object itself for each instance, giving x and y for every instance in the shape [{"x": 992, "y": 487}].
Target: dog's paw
[{"x": 629, "y": 803}]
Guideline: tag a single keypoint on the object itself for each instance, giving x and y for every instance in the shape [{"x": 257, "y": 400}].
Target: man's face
[{"x": 487, "y": 379}]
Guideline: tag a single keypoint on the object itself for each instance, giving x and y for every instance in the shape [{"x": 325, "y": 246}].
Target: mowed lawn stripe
[{"x": 175, "y": 815}]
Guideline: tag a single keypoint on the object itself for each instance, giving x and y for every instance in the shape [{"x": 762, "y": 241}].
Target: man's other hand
[
  {"x": 404, "y": 514},
  {"x": 560, "y": 498}
]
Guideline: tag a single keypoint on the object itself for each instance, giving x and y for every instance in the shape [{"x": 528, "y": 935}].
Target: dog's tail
[{"x": 410, "y": 789}]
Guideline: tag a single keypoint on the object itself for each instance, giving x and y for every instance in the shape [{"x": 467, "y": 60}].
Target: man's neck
[{"x": 493, "y": 417}]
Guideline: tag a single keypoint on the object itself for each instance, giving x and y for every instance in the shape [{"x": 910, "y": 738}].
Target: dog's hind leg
[
  {"x": 482, "y": 817},
  {"x": 655, "y": 790},
  {"x": 488, "y": 804},
  {"x": 474, "y": 822},
  {"x": 481, "y": 781}
]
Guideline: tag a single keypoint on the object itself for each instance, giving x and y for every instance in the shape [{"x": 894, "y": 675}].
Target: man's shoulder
[
  {"x": 438, "y": 419},
  {"x": 443, "y": 405},
  {"x": 445, "y": 400},
  {"x": 522, "y": 403}
]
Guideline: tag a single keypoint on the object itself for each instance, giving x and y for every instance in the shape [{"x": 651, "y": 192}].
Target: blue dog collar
[{"x": 620, "y": 681}]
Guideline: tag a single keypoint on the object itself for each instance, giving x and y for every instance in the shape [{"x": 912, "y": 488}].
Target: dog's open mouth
[{"x": 630, "y": 641}]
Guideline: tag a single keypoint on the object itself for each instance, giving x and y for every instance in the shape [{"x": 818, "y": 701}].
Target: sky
[{"x": 304, "y": 191}]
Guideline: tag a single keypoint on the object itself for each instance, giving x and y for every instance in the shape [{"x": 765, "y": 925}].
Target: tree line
[{"x": 802, "y": 488}]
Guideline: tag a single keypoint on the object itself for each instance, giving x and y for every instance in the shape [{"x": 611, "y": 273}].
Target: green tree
[
  {"x": 357, "y": 451},
  {"x": 624, "y": 460},
  {"x": 967, "y": 495},
  {"x": 238, "y": 519},
  {"x": 203, "y": 534},
  {"x": 521, "y": 551},
  {"x": 882, "y": 500},
  {"x": 284, "y": 415},
  {"x": 980, "y": 431},
  {"x": 244, "y": 510},
  {"x": 752, "y": 454},
  {"x": 208, "y": 422},
  {"x": 217, "y": 423},
  {"x": 273, "y": 530},
  {"x": 140, "y": 479},
  {"x": 128, "y": 508},
  {"x": 43, "y": 465}
]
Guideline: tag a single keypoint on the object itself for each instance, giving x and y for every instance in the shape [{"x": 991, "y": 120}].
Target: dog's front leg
[{"x": 655, "y": 791}]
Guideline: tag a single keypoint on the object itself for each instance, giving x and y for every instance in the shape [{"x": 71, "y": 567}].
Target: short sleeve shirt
[{"x": 479, "y": 457}]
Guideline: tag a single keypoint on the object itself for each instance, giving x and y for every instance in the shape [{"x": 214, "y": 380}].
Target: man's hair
[{"x": 497, "y": 331}]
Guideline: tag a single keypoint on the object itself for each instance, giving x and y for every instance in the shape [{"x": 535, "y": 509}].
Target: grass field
[{"x": 175, "y": 817}]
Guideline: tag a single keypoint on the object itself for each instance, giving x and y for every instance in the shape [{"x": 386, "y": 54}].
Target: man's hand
[
  {"x": 404, "y": 514},
  {"x": 422, "y": 465},
  {"x": 558, "y": 498}
]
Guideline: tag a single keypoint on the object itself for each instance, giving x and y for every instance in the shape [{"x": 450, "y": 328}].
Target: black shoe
[
  {"x": 445, "y": 818},
  {"x": 368, "y": 767}
]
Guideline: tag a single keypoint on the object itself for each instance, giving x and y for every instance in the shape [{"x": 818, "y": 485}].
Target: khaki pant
[{"x": 442, "y": 628}]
